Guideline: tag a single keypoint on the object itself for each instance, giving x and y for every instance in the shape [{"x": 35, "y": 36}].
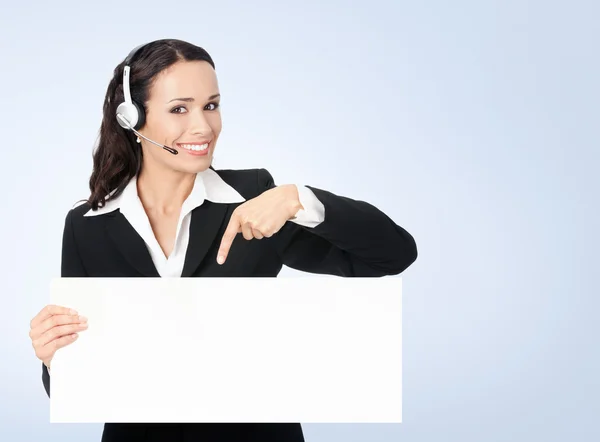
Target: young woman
[{"x": 158, "y": 208}]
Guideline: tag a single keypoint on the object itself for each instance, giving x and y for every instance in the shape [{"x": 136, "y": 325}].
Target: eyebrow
[{"x": 190, "y": 99}]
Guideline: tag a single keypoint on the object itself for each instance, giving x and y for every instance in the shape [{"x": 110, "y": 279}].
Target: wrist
[{"x": 292, "y": 199}]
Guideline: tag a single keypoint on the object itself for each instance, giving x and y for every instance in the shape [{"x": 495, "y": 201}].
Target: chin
[{"x": 194, "y": 165}]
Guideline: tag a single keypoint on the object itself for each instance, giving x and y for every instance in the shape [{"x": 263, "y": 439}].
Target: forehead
[{"x": 185, "y": 79}]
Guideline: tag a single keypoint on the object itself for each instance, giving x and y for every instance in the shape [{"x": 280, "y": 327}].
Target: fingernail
[
  {"x": 72, "y": 312},
  {"x": 220, "y": 259},
  {"x": 82, "y": 319}
]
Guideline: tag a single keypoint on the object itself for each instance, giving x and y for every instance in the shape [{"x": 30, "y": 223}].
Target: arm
[
  {"x": 71, "y": 266},
  {"x": 352, "y": 238}
]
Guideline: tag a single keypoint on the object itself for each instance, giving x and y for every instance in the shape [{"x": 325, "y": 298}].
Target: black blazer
[{"x": 355, "y": 240}]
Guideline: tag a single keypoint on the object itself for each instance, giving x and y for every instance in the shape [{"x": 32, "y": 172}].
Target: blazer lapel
[
  {"x": 130, "y": 244},
  {"x": 206, "y": 221}
]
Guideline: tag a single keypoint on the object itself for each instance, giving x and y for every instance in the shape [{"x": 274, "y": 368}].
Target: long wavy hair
[{"x": 117, "y": 157}]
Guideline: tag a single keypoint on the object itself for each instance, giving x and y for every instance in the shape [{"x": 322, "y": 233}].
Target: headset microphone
[
  {"x": 123, "y": 121},
  {"x": 130, "y": 115}
]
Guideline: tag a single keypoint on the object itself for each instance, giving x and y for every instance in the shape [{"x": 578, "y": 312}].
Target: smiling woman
[{"x": 157, "y": 208}]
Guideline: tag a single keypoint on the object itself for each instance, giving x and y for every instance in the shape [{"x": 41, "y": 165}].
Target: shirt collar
[{"x": 207, "y": 186}]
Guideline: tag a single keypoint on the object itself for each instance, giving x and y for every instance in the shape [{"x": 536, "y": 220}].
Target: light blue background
[{"x": 472, "y": 123}]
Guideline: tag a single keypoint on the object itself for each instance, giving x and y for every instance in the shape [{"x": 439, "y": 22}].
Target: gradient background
[{"x": 472, "y": 123}]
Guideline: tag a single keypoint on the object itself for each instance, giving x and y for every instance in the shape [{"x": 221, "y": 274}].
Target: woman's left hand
[{"x": 260, "y": 217}]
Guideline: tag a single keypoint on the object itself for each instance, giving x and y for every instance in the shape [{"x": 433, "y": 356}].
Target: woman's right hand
[{"x": 52, "y": 328}]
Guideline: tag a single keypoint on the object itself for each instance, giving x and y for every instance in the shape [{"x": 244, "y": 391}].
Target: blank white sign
[{"x": 317, "y": 349}]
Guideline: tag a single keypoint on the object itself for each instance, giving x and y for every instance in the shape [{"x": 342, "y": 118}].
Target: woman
[{"x": 158, "y": 208}]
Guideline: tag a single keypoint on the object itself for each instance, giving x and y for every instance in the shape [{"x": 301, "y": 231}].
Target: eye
[
  {"x": 178, "y": 107},
  {"x": 215, "y": 106}
]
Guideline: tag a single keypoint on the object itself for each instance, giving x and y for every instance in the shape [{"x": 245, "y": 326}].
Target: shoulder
[
  {"x": 248, "y": 182},
  {"x": 75, "y": 216}
]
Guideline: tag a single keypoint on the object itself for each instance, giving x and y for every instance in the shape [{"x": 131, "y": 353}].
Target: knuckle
[{"x": 53, "y": 333}]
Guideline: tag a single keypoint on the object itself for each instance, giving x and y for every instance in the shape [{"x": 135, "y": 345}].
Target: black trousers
[{"x": 204, "y": 432}]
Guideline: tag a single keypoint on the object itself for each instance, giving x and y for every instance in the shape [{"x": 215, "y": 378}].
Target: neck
[{"x": 163, "y": 191}]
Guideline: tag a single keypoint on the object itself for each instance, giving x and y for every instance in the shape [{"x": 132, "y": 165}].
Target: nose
[{"x": 200, "y": 124}]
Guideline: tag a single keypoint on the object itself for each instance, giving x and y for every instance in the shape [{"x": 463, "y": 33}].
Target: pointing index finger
[{"x": 230, "y": 232}]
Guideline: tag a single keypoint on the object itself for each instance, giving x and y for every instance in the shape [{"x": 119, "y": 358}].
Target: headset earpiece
[{"x": 131, "y": 112}]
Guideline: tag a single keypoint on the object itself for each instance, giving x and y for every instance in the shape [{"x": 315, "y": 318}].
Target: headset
[{"x": 130, "y": 115}]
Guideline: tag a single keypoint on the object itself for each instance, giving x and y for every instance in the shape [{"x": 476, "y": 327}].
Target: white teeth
[{"x": 195, "y": 146}]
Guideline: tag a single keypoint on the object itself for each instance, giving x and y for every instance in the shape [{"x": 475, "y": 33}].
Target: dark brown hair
[{"x": 117, "y": 157}]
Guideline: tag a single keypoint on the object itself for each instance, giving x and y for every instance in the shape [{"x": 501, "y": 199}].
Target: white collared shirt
[{"x": 207, "y": 186}]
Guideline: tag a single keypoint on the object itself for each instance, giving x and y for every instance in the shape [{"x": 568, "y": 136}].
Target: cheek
[
  {"x": 164, "y": 130},
  {"x": 214, "y": 121}
]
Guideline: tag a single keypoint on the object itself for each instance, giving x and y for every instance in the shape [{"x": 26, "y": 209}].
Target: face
[{"x": 183, "y": 113}]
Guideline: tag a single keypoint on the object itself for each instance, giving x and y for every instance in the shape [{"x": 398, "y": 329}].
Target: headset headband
[
  {"x": 133, "y": 52},
  {"x": 128, "y": 59}
]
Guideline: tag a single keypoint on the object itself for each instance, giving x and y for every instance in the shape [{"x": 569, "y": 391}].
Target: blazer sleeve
[
  {"x": 354, "y": 239},
  {"x": 71, "y": 266},
  {"x": 312, "y": 213}
]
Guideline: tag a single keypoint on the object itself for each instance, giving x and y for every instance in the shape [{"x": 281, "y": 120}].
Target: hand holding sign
[
  {"x": 52, "y": 328},
  {"x": 260, "y": 217}
]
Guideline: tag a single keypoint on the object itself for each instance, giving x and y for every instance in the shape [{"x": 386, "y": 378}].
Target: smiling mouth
[{"x": 196, "y": 147}]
